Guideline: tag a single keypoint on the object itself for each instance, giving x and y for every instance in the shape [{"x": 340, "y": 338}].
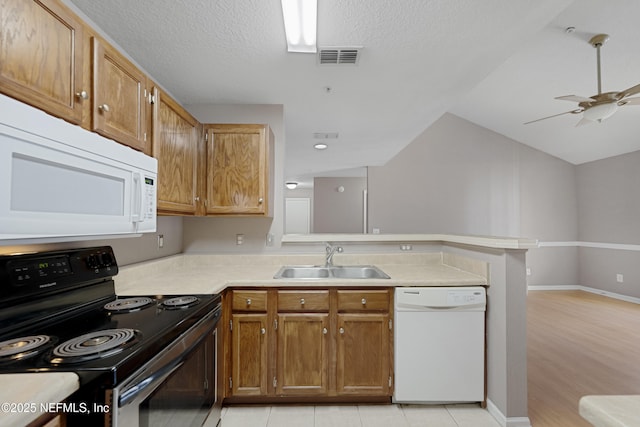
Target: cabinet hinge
[
  {"x": 275, "y": 324},
  {"x": 231, "y": 325},
  {"x": 389, "y": 380},
  {"x": 275, "y": 382},
  {"x": 206, "y": 136},
  {"x": 206, "y": 384},
  {"x": 390, "y": 324},
  {"x": 230, "y": 383},
  {"x": 145, "y": 136},
  {"x": 152, "y": 99}
]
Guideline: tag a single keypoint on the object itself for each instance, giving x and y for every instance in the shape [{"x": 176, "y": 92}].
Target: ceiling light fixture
[
  {"x": 291, "y": 185},
  {"x": 598, "y": 113},
  {"x": 300, "y": 21},
  {"x": 321, "y": 146}
]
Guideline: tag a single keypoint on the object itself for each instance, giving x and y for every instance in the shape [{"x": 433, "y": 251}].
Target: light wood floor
[{"x": 578, "y": 343}]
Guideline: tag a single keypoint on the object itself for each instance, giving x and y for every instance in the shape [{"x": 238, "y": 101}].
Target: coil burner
[
  {"x": 94, "y": 345},
  {"x": 23, "y": 347},
  {"x": 128, "y": 304},
  {"x": 181, "y": 302}
]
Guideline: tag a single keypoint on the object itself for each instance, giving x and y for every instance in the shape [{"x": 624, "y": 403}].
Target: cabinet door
[
  {"x": 302, "y": 361},
  {"x": 175, "y": 144},
  {"x": 363, "y": 350},
  {"x": 119, "y": 97},
  {"x": 249, "y": 355},
  {"x": 237, "y": 171},
  {"x": 41, "y": 56}
]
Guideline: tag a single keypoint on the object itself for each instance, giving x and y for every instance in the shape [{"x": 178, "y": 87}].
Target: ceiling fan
[{"x": 603, "y": 105}]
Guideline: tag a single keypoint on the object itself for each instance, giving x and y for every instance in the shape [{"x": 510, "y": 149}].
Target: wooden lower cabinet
[
  {"x": 309, "y": 345},
  {"x": 302, "y": 359},
  {"x": 363, "y": 348},
  {"x": 248, "y": 354}
]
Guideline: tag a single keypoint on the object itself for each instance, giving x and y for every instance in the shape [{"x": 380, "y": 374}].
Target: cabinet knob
[
  {"x": 248, "y": 301},
  {"x": 301, "y": 301},
  {"x": 82, "y": 94},
  {"x": 324, "y": 331},
  {"x": 263, "y": 331},
  {"x": 260, "y": 200},
  {"x": 104, "y": 107},
  {"x": 341, "y": 331},
  {"x": 364, "y": 301},
  {"x": 197, "y": 198}
]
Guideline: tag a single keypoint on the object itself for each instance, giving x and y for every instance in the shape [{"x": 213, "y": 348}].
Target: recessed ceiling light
[{"x": 321, "y": 146}]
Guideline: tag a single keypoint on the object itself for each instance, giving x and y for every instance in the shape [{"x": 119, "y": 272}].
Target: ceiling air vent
[{"x": 339, "y": 55}]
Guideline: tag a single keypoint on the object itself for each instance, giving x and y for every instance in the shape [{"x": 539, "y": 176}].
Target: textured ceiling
[{"x": 497, "y": 63}]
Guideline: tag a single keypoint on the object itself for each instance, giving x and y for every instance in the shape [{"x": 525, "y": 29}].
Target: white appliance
[
  {"x": 59, "y": 182},
  {"x": 439, "y": 344}
]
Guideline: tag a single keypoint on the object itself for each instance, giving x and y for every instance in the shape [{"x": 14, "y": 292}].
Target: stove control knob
[{"x": 92, "y": 262}]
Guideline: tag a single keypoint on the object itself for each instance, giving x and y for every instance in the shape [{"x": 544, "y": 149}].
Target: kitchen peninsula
[{"x": 436, "y": 260}]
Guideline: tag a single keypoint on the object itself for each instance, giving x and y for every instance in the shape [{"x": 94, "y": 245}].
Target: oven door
[{"x": 177, "y": 387}]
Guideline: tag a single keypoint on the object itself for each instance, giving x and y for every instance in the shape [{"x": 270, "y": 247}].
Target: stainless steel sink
[{"x": 331, "y": 272}]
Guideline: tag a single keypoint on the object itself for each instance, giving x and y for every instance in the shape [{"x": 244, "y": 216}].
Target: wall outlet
[
  {"x": 160, "y": 241},
  {"x": 376, "y": 231},
  {"x": 239, "y": 239},
  {"x": 406, "y": 247},
  {"x": 269, "y": 241},
  {"x": 528, "y": 271},
  {"x": 619, "y": 278}
]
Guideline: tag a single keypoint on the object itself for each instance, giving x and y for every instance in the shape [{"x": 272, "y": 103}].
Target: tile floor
[{"x": 464, "y": 415}]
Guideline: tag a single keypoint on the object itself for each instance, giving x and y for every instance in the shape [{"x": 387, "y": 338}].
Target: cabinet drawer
[
  {"x": 303, "y": 301},
  {"x": 249, "y": 301},
  {"x": 359, "y": 300}
]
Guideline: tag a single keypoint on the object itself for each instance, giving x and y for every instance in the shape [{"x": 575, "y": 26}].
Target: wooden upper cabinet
[
  {"x": 41, "y": 57},
  {"x": 174, "y": 143},
  {"x": 119, "y": 100},
  {"x": 239, "y": 173}
]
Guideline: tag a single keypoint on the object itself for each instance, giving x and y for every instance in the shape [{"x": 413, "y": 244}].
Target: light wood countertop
[
  {"x": 611, "y": 411},
  {"x": 210, "y": 274},
  {"x": 21, "y": 395}
]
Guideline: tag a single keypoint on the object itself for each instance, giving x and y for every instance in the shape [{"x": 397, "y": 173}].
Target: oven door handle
[{"x": 129, "y": 395}]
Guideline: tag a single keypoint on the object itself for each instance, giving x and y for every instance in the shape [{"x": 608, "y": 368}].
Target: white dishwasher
[{"x": 439, "y": 344}]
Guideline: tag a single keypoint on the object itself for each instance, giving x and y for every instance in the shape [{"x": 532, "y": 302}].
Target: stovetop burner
[
  {"x": 94, "y": 345},
  {"x": 23, "y": 347},
  {"x": 181, "y": 302},
  {"x": 128, "y": 304}
]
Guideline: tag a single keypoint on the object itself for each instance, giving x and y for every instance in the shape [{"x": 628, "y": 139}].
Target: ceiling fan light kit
[{"x": 603, "y": 105}]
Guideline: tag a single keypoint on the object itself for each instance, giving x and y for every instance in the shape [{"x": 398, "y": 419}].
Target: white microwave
[{"x": 60, "y": 182}]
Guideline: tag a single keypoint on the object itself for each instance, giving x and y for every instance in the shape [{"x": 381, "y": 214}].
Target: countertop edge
[
  {"x": 611, "y": 411},
  {"x": 481, "y": 241}
]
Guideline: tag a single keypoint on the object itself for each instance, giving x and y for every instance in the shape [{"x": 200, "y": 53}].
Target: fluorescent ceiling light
[{"x": 300, "y": 20}]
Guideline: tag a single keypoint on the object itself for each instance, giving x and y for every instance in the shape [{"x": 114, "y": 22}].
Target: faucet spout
[{"x": 331, "y": 250}]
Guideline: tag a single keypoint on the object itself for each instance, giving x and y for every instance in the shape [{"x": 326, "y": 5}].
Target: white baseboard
[
  {"x": 504, "y": 421},
  {"x": 583, "y": 288}
]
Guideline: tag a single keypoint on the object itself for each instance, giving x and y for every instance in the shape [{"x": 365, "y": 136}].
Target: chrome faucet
[{"x": 331, "y": 250}]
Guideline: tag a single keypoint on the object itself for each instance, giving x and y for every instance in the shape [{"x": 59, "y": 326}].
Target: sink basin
[{"x": 332, "y": 272}]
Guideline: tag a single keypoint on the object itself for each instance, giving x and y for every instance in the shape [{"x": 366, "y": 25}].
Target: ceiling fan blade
[
  {"x": 628, "y": 92},
  {"x": 631, "y": 101},
  {"x": 575, "y": 98},
  {"x": 579, "y": 110}
]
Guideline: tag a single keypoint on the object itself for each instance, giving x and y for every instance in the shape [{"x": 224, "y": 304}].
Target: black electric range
[{"x": 59, "y": 313}]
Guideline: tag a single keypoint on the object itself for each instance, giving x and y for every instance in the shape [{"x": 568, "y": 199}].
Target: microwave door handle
[{"x": 138, "y": 198}]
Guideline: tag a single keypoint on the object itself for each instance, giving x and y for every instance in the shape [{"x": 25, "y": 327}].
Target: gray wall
[
  {"x": 335, "y": 211},
  {"x": 609, "y": 224},
  {"x": 460, "y": 178}
]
